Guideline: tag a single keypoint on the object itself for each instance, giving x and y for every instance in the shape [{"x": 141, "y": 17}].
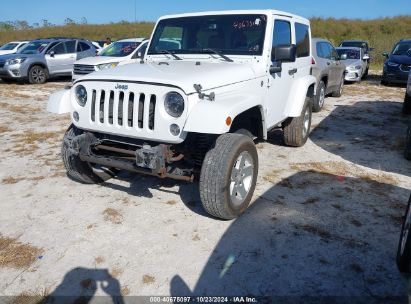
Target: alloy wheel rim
[
  {"x": 322, "y": 97},
  {"x": 242, "y": 175},
  {"x": 38, "y": 75},
  {"x": 306, "y": 122},
  {"x": 407, "y": 226}
]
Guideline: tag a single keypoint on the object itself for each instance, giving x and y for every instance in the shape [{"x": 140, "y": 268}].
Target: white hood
[
  {"x": 7, "y": 52},
  {"x": 100, "y": 60},
  {"x": 182, "y": 74},
  {"x": 352, "y": 62}
]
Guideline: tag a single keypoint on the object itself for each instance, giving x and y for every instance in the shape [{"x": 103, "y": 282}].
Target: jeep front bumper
[{"x": 157, "y": 160}]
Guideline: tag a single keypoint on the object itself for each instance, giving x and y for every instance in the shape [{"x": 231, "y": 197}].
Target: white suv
[
  {"x": 210, "y": 84},
  {"x": 121, "y": 52}
]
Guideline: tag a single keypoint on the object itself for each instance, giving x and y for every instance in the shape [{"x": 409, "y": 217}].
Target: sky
[{"x": 99, "y": 11}]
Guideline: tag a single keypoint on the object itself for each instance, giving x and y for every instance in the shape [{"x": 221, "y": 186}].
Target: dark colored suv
[{"x": 398, "y": 63}]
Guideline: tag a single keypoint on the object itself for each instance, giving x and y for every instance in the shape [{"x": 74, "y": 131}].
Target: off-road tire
[
  {"x": 79, "y": 170},
  {"x": 318, "y": 103},
  {"x": 216, "y": 175},
  {"x": 340, "y": 90},
  {"x": 404, "y": 256},
  {"x": 293, "y": 127},
  {"x": 407, "y": 149},
  {"x": 406, "y": 106},
  {"x": 37, "y": 75}
]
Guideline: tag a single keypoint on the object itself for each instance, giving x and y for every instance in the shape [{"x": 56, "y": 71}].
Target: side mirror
[
  {"x": 343, "y": 57},
  {"x": 52, "y": 54},
  {"x": 366, "y": 57},
  {"x": 284, "y": 53}
]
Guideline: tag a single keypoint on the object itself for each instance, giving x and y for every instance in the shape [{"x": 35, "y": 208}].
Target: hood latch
[{"x": 201, "y": 95}]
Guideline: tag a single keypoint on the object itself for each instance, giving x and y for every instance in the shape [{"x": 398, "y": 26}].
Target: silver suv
[
  {"x": 328, "y": 70},
  {"x": 44, "y": 58}
]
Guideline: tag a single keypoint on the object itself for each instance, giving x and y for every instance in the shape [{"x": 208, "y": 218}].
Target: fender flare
[
  {"x": 298, "y": 94},
  {"x": 210, "y": 117},
  {"x": 59, "y": 102}
]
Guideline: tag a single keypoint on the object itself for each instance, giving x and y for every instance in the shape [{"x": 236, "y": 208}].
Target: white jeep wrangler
[{"x": 210, "y": 84}]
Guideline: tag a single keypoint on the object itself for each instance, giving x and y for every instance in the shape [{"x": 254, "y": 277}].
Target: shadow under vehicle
[{"x": 342, "y": 248}]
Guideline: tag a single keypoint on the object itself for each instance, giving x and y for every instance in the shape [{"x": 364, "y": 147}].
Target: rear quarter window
[{"x": 302, "y": 38}]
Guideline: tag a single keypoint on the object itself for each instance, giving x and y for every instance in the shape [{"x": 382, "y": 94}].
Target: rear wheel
[
  {"x": 297, "y": 129},
  {"x": 319, "y": 97},
  {"x": 228, "y": 176},
  {"x": 37, "y": 75},
  {"x": 404, "y": 245},
  {"x": 79, "y": 170}
]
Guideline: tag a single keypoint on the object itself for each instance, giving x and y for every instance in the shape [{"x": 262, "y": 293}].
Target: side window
[
  {"x": 326, "y": 50},
  {"x": 82, "y": 46},
  {"x": 282, "y": 33},
  {"x": 59, "y": 48},
  {"x": 320, "y": 49},
  {"x": 302, "y": 37},
  {"x": 71, "y": 46}
]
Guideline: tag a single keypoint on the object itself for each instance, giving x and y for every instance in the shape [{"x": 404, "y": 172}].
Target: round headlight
[
  {"x": 81, "y": 95},
  {"x": 174, "y": 104}
]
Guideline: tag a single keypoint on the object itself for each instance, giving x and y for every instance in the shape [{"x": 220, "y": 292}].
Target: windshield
[
  {"x": 354, "y": 44},
  {"x": 351, "y": 54},
  {"x": 227, "y": 34},
  {"x": 402, "y": 48},
  {"x": 8, "y": 47},
  {"x": 120, "y": 49},
  {"x": 34, "y": 47}
]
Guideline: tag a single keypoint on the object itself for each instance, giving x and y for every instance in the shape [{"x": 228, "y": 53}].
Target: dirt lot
[{"x": 325, "y": 218}]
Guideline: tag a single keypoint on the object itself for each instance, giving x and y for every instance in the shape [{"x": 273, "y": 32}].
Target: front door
[
  {"x": 279, "y": 84},
  {"x": 61, "y": 57}
]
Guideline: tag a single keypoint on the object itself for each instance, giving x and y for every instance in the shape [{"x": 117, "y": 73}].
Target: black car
[{"x": 398, "y": 63}]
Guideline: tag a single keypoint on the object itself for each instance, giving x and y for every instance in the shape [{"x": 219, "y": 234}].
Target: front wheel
[
  {"x": 228, "y": 176},
  {"x": 79, "y": 170},
  {"x": 339, "y": 91},
  {"x": 406, "y": 106},
  {"x": 37, "y": 75},
  {"x": 297, "y": 129},
  {"x": 404, "y": 245}
]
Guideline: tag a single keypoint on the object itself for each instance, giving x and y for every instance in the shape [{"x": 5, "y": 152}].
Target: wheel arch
[
  {"x": 252, "y": 120},
  {"x": 302, "y": 88}
]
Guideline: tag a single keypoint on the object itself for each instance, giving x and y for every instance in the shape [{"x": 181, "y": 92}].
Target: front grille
[
  {"x": 405, "y": 67},
  {"x": 81, "y": 69},
  {"x": 123, "y": 109},
  {"x": 2, "y": 63}
]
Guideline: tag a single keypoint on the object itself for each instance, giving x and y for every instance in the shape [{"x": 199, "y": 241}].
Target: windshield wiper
[
  {"x": 218, "y": 53},
  {"x": 172, "y": 54}
]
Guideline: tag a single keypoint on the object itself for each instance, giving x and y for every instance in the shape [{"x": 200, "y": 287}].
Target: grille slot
[
  {"x": 120, "y": 108},
  {"x": 93, "y": 105},
  {"x": 152, "y": 112},
  {"x": 81, "y": 69},
  {"x": 141, "y": 110},
  {"x": 111, "y": 108},
  {"x": 101, "y": 106},
  {"x": 128, "y": 110}
]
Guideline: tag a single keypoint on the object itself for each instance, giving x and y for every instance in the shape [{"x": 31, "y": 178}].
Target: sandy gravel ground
[{"x": 325, "y": 218}]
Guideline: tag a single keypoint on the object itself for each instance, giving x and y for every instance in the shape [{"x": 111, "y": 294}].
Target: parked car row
[{"x": 38, "y": 60}]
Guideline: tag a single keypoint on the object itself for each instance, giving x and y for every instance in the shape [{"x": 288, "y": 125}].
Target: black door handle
[{"x": 292, "y": 71}]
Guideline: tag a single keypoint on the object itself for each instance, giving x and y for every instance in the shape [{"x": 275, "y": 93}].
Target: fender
[
  {"x": 298, "y": 95},
  {"x": 210, "y": 116},
  {"x": 59, "y": 102}
]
